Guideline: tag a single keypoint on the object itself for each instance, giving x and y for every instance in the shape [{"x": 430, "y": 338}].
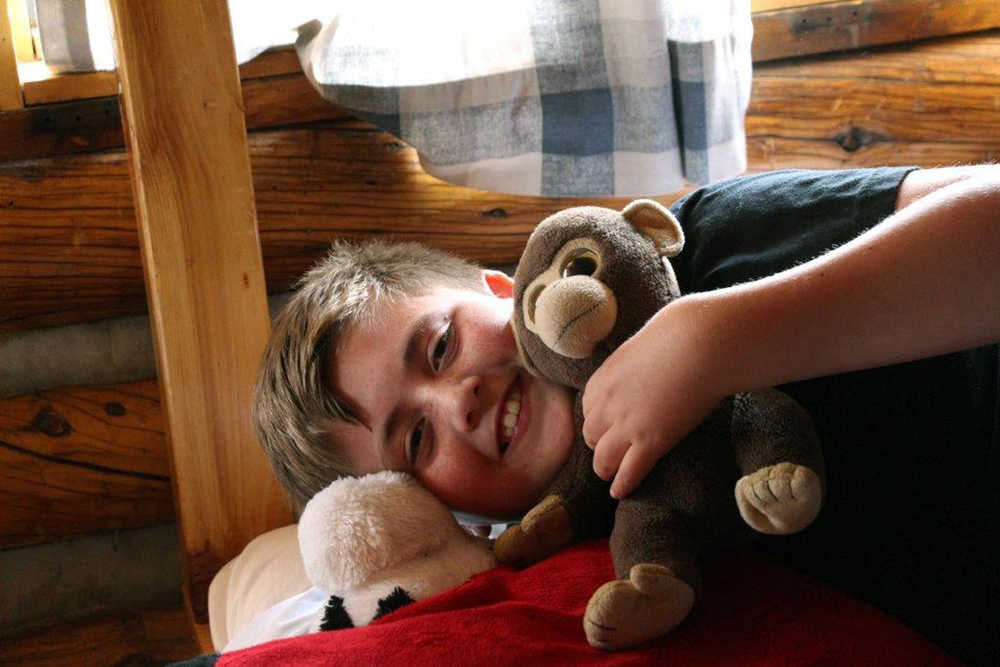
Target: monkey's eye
[{"x": 581, "y": 262}]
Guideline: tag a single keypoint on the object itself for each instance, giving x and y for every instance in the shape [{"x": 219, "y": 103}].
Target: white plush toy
[{"x": 378, "y": 542}]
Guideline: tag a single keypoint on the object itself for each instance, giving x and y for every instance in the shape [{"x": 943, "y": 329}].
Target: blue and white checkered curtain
[
  {"x": 544, "y": 97},
  {"x": 550, "y": 97}
]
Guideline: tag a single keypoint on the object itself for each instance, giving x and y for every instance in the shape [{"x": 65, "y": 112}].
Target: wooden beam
[
  {"x": 20, "y": 28},
  {"x": 853, "y": 24},
  {"x": 42, "y": 85},
  {"x": 10, "y": 84},
  {"x": 81, "y": 460},
  {"x": 204, "y": 275}
]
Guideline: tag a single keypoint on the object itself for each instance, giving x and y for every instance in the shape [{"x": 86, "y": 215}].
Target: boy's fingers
[
  {"x": 608, "y": 455},
  {"x": 595, "y": 393},
  {"x": 635, "y": 465},
  {"x": 594, "y": 428},
  {"x": 586, "y": 401}
]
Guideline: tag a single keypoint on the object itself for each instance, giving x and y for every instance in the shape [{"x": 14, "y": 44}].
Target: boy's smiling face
[{"x": 434, "y": 381}]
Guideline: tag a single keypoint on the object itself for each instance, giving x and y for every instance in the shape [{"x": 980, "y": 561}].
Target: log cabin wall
[{"x": 80, "y": 462}]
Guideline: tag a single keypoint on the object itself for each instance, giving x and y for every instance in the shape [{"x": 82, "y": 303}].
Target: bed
[
  {"x": 193, "y": 193},
  {"x": 755, "y": 611}
]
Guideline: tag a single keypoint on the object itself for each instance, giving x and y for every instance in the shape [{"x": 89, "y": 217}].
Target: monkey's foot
[
  {"x": 626, "y": 612},
  {"x": 779, "y": 499}
]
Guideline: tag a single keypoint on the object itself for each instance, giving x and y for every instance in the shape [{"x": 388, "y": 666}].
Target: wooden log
[
  {"x": 969, "y": 60},
  {"x": 81, "y": 460},
  {"x": 767, "y": 152},
  {"x": 204, "y": 275},
  {"x": 931, "y": 104},
  {"x": 69, "y": 249},
  {"x": 89, "y": 125},
  {"x": 853, "y": 24},
  {"x": 153, "y": 636},
  {"x": 893, "y": 110}
]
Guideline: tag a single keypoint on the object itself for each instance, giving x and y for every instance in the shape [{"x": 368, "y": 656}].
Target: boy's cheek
[{"x": 453, "y": 477}]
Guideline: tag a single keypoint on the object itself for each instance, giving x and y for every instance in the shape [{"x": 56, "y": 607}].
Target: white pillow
[{"x": 266, "y": 572}]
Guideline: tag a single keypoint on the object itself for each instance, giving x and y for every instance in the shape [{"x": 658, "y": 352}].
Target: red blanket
[{"x": 754, "y": 612}]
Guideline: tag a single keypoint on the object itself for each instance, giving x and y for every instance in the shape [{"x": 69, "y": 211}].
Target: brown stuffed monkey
[{"x": 588, "y": 279}]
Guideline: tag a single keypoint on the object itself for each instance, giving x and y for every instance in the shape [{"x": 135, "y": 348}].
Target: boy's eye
[
  {"x": 440, "y": 349},
  {"x": 418, "y": 437}
]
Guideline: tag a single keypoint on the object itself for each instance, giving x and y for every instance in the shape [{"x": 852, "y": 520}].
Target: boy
[{"x": 396, "y": 357}]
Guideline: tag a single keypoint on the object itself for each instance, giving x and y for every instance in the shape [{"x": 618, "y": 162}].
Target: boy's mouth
[{"x": 510, "y": 416}]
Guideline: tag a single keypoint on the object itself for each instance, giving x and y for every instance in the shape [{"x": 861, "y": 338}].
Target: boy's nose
[{"x": 465, "y": 411}]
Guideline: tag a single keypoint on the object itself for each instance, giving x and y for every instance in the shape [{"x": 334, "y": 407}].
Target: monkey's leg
[
  {"x": 778, "y": 452},
  {"x": 655, "y": 558}
]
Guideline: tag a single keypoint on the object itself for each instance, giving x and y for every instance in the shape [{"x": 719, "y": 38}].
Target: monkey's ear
[{"x": 658, "y": 223}]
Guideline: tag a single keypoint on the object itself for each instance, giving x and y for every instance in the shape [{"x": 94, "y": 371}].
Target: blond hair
[{"x": 293, "y": 405}]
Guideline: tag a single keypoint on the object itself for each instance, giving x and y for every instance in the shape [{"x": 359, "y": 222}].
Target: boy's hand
[{"x": 651, "y": 392}]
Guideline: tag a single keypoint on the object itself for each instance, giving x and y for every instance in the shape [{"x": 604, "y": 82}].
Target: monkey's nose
[{"x": 574, "y": 314}]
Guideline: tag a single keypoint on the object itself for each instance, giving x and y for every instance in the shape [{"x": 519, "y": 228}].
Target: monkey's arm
[{"x": 577, "y": 506}]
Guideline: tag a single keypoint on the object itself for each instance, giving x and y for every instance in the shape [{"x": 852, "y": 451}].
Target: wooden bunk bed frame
[
  {"x": 186, "y": 133},
  {"x": 185, "y": 130}
]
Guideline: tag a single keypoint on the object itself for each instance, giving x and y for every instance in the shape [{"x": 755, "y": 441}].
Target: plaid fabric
[
  {"x": 548, "y": 97},
  {"x": 544, "y": 97}
]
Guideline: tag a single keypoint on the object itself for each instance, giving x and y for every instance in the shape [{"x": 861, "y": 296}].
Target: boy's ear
[{"x": 498, "y": 282}]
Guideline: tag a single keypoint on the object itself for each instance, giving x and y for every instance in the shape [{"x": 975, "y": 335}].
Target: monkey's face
[
  {"x": 568, "y": 305},
  {"x": 588, "y": 279}
]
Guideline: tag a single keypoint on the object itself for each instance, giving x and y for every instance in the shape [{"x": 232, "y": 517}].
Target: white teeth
[{"x": 512, "y": 408}]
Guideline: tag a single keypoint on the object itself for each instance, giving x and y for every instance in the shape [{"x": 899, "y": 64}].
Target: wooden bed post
[
  {"x": 194, "y": 201},
  {"x": 10, "y": 84}
]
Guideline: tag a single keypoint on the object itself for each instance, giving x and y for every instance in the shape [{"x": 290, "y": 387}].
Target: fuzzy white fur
[{"x": 362, "y": 537}]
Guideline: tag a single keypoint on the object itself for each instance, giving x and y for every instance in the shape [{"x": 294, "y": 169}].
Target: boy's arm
[{"x": 925, "y": 281}]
